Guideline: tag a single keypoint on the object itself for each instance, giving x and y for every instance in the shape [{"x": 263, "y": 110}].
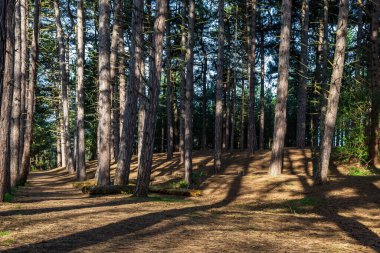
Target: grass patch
[
  {"x": 160, "y": 198},
  {"x": 8, "y": 242},
  {"x": 359, "y": 172},
  {"x": 8, "y": 197},
  {"x": 4, "y": 233},
  {"x": 180, "y": 185},
  {"x": 303, "y": 205}
]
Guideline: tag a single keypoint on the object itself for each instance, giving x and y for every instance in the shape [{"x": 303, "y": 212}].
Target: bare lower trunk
[
  {"x": 320, "y": 176},
  {"x": 169, "y": 93},
  {"x": 219, "y": 91},
  {"x": 233, "y": 102},
  {"x": 301, "y": 107},
  {"x": 6, "y": 98},
  {"x": 65, "y": 83},
  {"x": 375, "y": 72},
  {"x": 204, "y": 97},
  {"x": 122, "y": 81},
  {"x": 252, "y": 141},
  {"x": 16, "y": 105},
  {"x": 116, "y": 30},
  {"x": 30, "y": 96},
  {"x": 80, "y": 154},
  {"x": 242, "y": 123},
  {"x": 189, "y": 95},
  {"x": 104, "y": 152},
  {"x": 146, "y": 156},
  {"x": 183, "y": 86},
  {"x": 282, "y": 92},
  {"x": 262, "y": 87},
  {"x": 129, "y": 116}
]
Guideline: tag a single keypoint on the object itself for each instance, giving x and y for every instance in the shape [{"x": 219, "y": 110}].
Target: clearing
[{"x": 241, "y": 210}]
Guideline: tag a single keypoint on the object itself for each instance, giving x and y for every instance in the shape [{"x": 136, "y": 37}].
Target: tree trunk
[
  {"x": 375, "y": 74},
  {"x": 233, "y": 114},
  {"x": 146, "y": 156},
  {"x": 30, "y": 96},
  {"x": 242, "y": 124},
  {"x": 129, "y": 116},
  {"x": 262, "y": 83},
  {"x": 63, "y": 139},
  {"x": 81, "y": 165},
  {"x": 320, "y": 176},
  {"x": 104, "y": 154},
  {"x": 169, "y": 93},
  {"x": 58, "y": 139},
  {"x": 252, "y": 142},
  {"x": 122, "y": 80},
  {"x": 219, "y": 91},
  {"x": 183, "y": 86},
  {"x": 16, "y": 106},
  {"x": 24, "y": 65},
  {"x": 189, "y": 95},
  {"x": 6, "y": 98},
  {"x": 204, "y": 97},
  {"x": 301, "y": 107},
  {"x": 65, "y": 83},
  {"x": 116, "y": 31},
  {"x": 282, "y": 92}
]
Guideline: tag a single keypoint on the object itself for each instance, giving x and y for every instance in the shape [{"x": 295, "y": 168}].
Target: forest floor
[{"x": 241, "y": 210}]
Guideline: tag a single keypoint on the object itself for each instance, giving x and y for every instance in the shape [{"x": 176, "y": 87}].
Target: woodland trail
[{"x": 242, "y": 210}]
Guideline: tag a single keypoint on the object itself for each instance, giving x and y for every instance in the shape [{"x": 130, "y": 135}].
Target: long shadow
[{"x": 101, "y": 234}]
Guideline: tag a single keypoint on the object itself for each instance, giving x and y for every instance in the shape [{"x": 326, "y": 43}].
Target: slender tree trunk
[
  {"x": 252, "y": 141},
  {"x": 301, "y": 108},
  {"x": 375, "y": 74},
  {"x": 16, "y": 106},
  {"x": 219, "y": 91},
  {"x": 282, "y": 92},
  {"x": 65, "y": 83},
  {"x": 81, "y": 166},
  {"x": 242, "y": 122},
  {"x": 30, "y": 96},
  {"x": 262, "y": 83},
  {"x": 233, "y": 115},
  {"x": 183, "y": 85},
  {"x": 359, "y": 40},
  {"x": 122, "y": 80},
  {"x": 6, "y": 98},
  {"x": 24, "y": 65},
  {"x": 104, "y": 152},
  {"x": 146, "y": 156},
  {"x": 169, "y": 93},
  {"x": 58, "y": 139},
  {"x": 320, "y": 176},
  {"x": 63, "y": 139},
  {"x": 204, "y": 97},
  {"x": 116, "y": 33},
  {"x": 189, "y": 95},
  {"x": 129, "y": 116}
]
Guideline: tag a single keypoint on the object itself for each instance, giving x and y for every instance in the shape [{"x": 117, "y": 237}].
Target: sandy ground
[{"x": 241, "y": 210}]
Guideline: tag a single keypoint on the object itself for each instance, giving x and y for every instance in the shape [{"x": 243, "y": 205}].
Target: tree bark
[
  {"x": 189, "y": 95},
  {"x": 129, "y": 116},
  {"x": 233, "y": 114},
  {"x": 64, "y": 83},
  {"x": 116, "y": 31},
  {"x": 219, "y": 91},
  {"x": 262, "y": 83},
  {"x": 16, "y": 106},
  {"x": 122, "y": 80},
  {"x": 282, "y": 91},
  {"x": 252, "y": 141},
  {"x": 183, "y": 86},
  {"x": 301, "y": 107},
  {"x": 6, "y": 97},
  {"x": 320, "y": 176},
  {"x": 204, "y": 96},
  {"x": 104, "y": 154},
  {"x": 146, "y": 156},
  {"x": 30, "y": 96},
  {"x": 169, "y": 93},
  {"x": 81, "y": 165},
  {"x": 375, "y": 74}
]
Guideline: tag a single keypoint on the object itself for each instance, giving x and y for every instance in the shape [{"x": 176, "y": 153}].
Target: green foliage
[
  {"x": 8, "y": 197},
  {"x": 180, "y": 185},
  {"x": 4, "y": 233},
  {"x": 356, "y": 171},
  {"x": 302, "y": 205}
]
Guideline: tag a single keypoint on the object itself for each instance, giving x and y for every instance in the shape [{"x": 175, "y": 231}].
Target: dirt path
[{"x": 242, "y": 210}]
